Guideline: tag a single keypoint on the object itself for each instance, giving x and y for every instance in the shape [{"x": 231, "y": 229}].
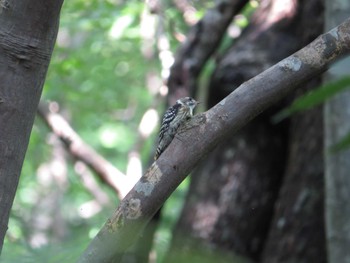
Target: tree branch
[
  {"x": 207, "y": 130},
  {"x": 82, "y": 151},
  {"x": 198, "y": 47}
]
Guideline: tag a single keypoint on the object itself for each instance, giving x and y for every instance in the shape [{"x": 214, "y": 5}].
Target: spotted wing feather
[{"x": 167, "y": 130}]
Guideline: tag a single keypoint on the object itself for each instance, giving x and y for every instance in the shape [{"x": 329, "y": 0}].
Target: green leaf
[
  {"x": 313, "y": 98},
  {"x": 343, "y": 144}
]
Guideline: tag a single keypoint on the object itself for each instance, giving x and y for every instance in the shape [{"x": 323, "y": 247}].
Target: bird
[{"x": 177, "y": 114}]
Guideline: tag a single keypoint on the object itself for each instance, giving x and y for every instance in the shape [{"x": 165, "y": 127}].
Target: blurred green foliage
[
  {"x": 343, "y": 144},
  {"x": 97, "y": 75},
  {"x": 314, "y": 97}
]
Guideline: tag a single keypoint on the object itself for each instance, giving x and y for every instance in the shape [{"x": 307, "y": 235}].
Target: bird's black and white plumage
[{"x": 173, "y": 118}]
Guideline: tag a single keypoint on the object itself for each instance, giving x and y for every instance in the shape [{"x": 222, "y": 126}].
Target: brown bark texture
[
  {"x": 235, "y": 202},
  {"x": 27, "y": 35}
]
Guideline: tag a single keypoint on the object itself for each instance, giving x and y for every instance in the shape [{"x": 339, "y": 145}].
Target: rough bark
[
  {"x": 27, "y": 36},
  {"x": 203, "y": 133},
  {"x": 230, "y": 200},
  {"x": 337, "y": 165},
  {"x": 297, "y": 229},
  {"x": 251, "y": 177}
]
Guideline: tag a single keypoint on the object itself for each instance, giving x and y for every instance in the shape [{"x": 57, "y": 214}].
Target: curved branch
[
  {"x": 82, "y": 151},
  {"x": 199, "y": 46},
  {"x": 207, "y": 130}
]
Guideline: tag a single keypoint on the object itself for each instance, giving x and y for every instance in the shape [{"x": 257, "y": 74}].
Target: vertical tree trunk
[
  {"x": 297, "y": 230},
  {"x": 337, "y": 165},
  {"x": 233, "y": 193},
  {"x": 27, "y": 36}
]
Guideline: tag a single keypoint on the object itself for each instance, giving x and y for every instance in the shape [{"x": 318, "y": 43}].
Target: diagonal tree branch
[
  {"x": 199, "y": 46},
  {"x": 207, "y": 130},
  {"x": 82, "y": 151}
]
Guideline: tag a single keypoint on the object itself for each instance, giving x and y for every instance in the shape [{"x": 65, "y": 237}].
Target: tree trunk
[
  {"x": 232, "y": 194},
  {"x": 297, "y": 230},
  {"x": 199, "y": 46},
  {"x": 27, "y": 36},
  {"x": 337, "y": 165}
]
